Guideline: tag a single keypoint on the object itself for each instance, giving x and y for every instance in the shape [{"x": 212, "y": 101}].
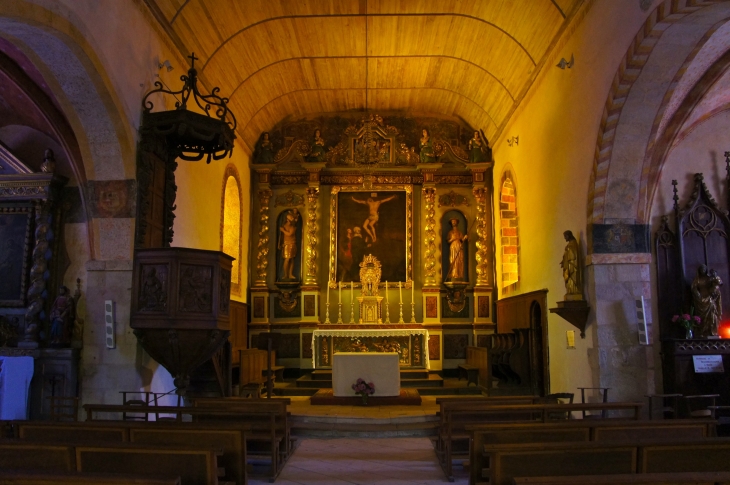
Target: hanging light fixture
[{"x": 191, "y": 135}]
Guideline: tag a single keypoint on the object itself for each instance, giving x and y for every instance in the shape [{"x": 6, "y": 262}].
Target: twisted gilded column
[
  {"x": 38, "y": 273},
  {"x": 429, "y": 270},
  {"x": 262, "y": 250},
  {"x": 482, "y": 255},
  {"x": 310, "y": 277}
]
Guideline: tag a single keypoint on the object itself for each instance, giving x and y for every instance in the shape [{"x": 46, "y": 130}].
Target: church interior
[{"x": 364, "y": 241}]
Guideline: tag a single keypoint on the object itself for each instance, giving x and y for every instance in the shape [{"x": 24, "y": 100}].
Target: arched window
[
  {"x": 231, "y": 224},
  {"x": 509, "y": 232}
]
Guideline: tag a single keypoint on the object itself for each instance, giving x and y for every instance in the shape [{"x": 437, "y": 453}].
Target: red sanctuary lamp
[{"x": 724, "y": 329}]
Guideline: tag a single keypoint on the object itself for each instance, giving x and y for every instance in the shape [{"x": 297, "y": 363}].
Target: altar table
[
  {"x": 410, "y": 343},
  {"x": 15, "y": 376},
  {"x": 382, "y": 369}
]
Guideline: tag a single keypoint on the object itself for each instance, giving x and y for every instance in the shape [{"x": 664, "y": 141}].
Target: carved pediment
[{"x": 10, "y": 164}]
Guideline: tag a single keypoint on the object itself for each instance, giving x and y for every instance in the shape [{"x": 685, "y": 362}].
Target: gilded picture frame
[
  {"x": 376, "y": 221},
  {"x": 15, "y": 247}
]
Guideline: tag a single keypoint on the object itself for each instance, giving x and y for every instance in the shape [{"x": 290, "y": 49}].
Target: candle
[
  {"x": 328, "y": 292},
  {"x": 352, "y": 286},
  {"x": 413, "y": 291},
  {"x": 386, "y": 292},
  {"x": 340, "y": 285},
  {"x": 400, "y": 292}
]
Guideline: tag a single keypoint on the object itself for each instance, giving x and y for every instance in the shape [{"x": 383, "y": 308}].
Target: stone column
[{"x": 617, "y": 359}]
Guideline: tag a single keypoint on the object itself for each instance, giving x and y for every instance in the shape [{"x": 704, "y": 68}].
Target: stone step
[{"x": 323, "y": 380}]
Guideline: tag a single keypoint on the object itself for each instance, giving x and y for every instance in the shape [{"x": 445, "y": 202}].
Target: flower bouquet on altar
[
  {"x": 364, "y": 389},
  {"x": 688, "y": 321}
]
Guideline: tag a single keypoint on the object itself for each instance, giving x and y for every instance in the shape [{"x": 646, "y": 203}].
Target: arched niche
[
  {"x": 231, "y": 208},
  {"x": 447, "y": 247},
  {"x": 281, "y": 229}
]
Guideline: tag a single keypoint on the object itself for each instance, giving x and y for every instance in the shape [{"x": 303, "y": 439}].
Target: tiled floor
[{"x": 386, "y": 461}]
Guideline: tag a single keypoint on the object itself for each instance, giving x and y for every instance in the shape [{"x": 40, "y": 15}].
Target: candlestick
[
  {"x": 413, "y": 312},
  {"x": 327, "y": 314},
  {"x": 400, "y": 310},
  {"x": 339, "y": 306}
]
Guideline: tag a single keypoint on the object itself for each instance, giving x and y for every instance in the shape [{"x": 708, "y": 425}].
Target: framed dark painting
[
  {"x": 15, "y": 228},
  {"x": 373, "y": 221}
]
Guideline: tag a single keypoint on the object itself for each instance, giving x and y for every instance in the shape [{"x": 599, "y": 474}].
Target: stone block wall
[{"x": 617, "y": 359}]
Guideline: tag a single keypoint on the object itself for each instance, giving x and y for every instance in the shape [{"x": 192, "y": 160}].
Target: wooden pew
[
  {"x": 693, "y": 478},
  {"x": 493, "y": 434},
  {"x": 25, "y": 477},
  {"x": 230, "y": 439},
  {"x": 506, "y": 462},
  {"x": 456, "y": 416},
  {"x": 194, "y": 466},
  {"x": 265, "y": 419}
]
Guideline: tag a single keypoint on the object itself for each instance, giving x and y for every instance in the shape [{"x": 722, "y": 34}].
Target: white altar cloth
[
  {"x": 370, "y": 332},
  {"x": 380, "y": 368},
  {"x": 15, "y": 376}
]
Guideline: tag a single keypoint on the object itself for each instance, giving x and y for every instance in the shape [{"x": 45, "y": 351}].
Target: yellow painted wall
[
  {"x": 557, "y": 125},
  {"x": 198, "y": 213}
]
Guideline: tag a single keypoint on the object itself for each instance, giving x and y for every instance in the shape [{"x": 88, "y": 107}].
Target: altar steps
[{"x": 412, "y": 378}]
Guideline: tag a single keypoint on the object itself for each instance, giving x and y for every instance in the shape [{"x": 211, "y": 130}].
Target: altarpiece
[{"x": 372, "y": 234}]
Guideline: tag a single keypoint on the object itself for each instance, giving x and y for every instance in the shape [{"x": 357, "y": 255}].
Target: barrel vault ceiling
[{"x": 471, "y": 59}]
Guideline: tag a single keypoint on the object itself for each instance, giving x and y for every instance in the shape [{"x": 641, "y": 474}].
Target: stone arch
[
  {"x": 56, "y": 47},
  {"x": 231, "y": 223},
  {"x": 617, "y": 193},
  {"x": 509, "y": 231}
]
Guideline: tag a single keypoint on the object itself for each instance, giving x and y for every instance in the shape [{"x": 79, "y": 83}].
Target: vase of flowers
[
  {"x": 364, "y": 389},
  {"x": 688, "y": 321}
]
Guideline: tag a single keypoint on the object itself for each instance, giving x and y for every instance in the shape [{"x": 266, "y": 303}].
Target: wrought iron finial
[
  {"x": 192, "y": 60},
  {"x": 675, "y": 197}
]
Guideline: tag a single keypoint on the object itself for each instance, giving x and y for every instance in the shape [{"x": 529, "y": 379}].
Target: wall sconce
[
  {"x": 514, "y": 141},
  {"x": 167, "y": 65},
  {"x": 563, "y": 63}
]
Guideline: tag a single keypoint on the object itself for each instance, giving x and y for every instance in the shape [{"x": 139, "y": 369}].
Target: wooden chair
[
  {"x": 143, "y": 399},
  {"x": 156, "y": 396},
  {"x": 64, "y": 408},
  {"x": 604, "y": 391},
  {"x": 671, "y": 408},
  {"x": 559, "y": 398},
  {"x": 701, "y": 405}
]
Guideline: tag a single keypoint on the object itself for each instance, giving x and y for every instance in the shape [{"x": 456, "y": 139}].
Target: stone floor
[{"x": 386, "y": 461}]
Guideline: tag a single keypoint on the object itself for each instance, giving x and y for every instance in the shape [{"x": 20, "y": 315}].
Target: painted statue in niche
[
  {"x": 479, "y": 150},
  {"x": 62, "y": 318},
  {"x": 288, "y": 244},
  {"x": 427, "y": 154},
  {"x": 264, "y": 149},
  {"x": 456, "y": 241},
  {"x": 363, "y": 229},
  {"x": 318, "y": 151},
  {"x": 571, "y": 268},
  {"x": 707, "y": 300}
]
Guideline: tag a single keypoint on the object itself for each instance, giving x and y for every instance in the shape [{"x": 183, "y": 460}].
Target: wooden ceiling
[{"x": 471, "y": 59}]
